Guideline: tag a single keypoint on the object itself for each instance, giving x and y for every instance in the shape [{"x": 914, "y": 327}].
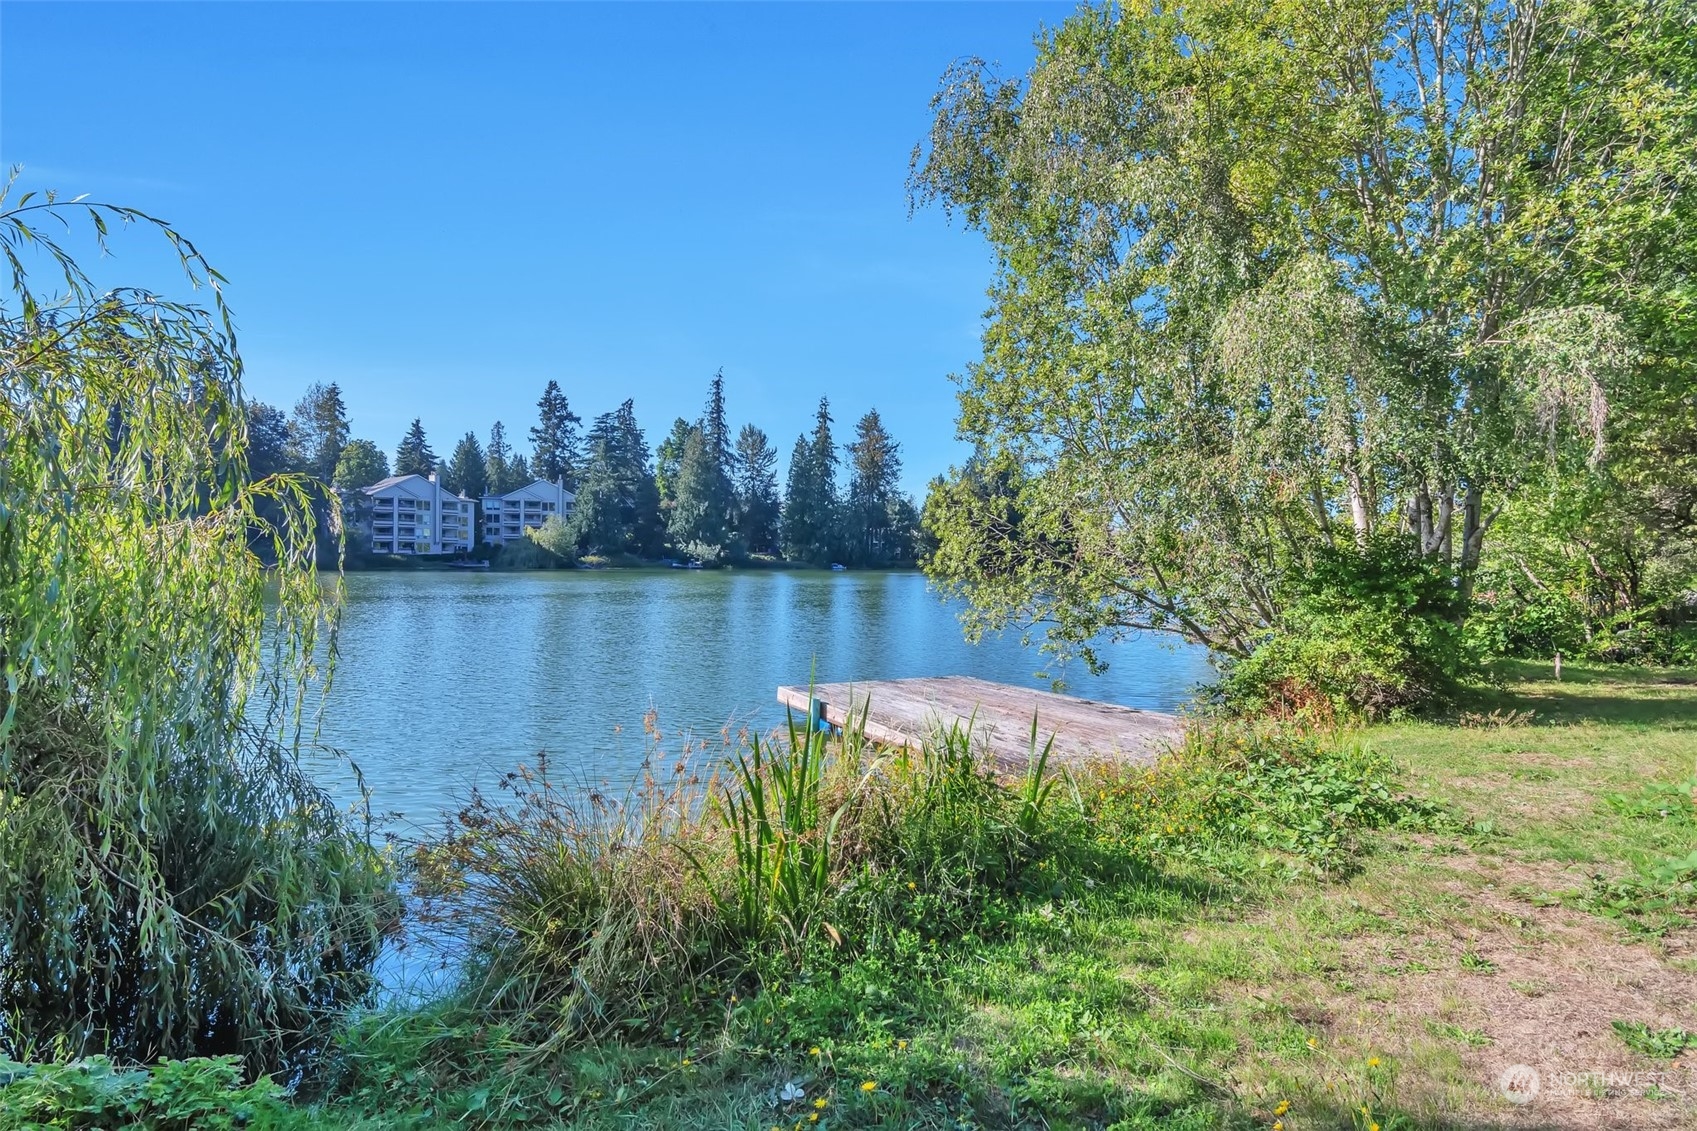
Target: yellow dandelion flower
[
  {"x": 1278, "y": 1125},
  {"x": 1372, "y": 1062},
  {"x": 821, "y": 1103},
  {"x": 911, "y": 886},
  {"x": 1284, "y": 1106},
  {"x": 814, "y": 1051},
  {"x": 1365, "y": 1110},
  {"x": 1312, "y": 1043},
  {"x": 869, "y": 1086},
  {"x": 1372, "y": 1127},
  {"x": 684, "y": 1062}
]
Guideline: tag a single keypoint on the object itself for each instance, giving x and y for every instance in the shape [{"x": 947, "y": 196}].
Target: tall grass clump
[
  {"x": 571, "y": 911},
  {"x": 574, "y": 913},
  {"x": 170, "y": 883}
]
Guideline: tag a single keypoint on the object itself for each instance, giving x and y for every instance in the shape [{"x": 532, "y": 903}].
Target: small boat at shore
[{"x": 468, "y": 564}]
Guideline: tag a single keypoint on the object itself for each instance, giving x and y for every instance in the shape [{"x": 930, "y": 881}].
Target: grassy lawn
[{"x": 1391, "y": 993}]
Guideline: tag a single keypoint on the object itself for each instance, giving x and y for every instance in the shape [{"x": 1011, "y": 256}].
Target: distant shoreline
[{"x": 444, "y": 564}]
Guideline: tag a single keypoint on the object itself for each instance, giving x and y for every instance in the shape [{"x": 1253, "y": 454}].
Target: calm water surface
[{"x": 448, "y": 679}]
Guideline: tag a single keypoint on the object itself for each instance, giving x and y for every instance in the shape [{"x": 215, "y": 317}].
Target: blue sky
[{"x": 443, "y": 206}]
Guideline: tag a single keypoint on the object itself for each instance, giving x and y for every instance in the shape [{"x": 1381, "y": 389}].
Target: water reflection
[{"x": 448, "y": 678}]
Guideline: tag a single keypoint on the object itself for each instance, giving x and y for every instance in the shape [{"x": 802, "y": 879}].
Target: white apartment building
[
  {"x": 507, "y": 517},
  {"x": 409, "y": 514}
]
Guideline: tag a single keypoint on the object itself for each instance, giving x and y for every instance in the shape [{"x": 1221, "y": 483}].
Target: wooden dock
[{"x": 910, "y": 711}]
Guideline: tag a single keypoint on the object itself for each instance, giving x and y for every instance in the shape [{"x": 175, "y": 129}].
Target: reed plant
[{"x": 782, "y": 835}]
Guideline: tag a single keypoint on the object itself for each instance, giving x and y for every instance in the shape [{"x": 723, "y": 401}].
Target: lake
[{"x": 449, "y": 678}]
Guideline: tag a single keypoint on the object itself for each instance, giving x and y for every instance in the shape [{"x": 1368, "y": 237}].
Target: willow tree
[
  {"x": 1283, "y": 278},
  {"x": 170, "y": 882}
]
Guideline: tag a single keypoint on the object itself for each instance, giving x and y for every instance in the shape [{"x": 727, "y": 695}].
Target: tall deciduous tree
[
  {"x": 1273, "y": 285},
  {"x": 467, "y": 471},
  {"x": 362, "y": 464},
  {"x": 558, "y": 452},
  {"x": 757, "y": 503},
  {"x": 413, "y": 455}
]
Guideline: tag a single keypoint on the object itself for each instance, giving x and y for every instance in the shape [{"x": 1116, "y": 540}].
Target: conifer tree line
[{"x": 707, "y": 493}]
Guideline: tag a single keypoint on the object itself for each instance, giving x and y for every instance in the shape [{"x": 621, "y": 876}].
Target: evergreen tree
[
  {"x": 362, "y": 464},
  {"x": 697, "y": 526},
  {"x": 518, "y": 473},
  {"x": 318, "y": 431},
  {"x": 466, "y": 473},
  {"x": 267, "y": 441},
  {"x": 595, "y": 525},
  {"x": 798, "y": 517},
  {"x": 497, "y": 470},
  {"x": 558, "y": 451},
  {"x": 702, "y": 516},
  {"x": 716, "y": 431},
  {"x": 413, "y": 455},
  {"x": 874, "y": 484},
  {"x": 720, "y": 462},
  {"x": 668, "y": 458},
  {"x": 811, "y": 506},
  {"x": 618, "y": 506},
  {"x": 756, "y": 480}
]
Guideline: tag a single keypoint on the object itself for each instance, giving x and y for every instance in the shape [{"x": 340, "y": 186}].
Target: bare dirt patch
[{"x": 1535, "y": 986}]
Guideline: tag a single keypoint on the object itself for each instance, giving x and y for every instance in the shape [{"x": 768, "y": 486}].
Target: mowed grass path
[{"x": 1391, "y": 997}]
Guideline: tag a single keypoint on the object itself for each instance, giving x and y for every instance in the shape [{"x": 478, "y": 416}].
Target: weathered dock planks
[{"x": 910, "y": 711}]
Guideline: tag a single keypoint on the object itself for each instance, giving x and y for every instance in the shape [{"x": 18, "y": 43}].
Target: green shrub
[
  {"x": 1371, "y": 633},
  {"x": 1236, "y": 798},
  {"x": 200, "y": 1094},
  {"x": 527, "y": 553},
  {"x": 1503, "y": 624},
  {"x": 555, "y": 538}
]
